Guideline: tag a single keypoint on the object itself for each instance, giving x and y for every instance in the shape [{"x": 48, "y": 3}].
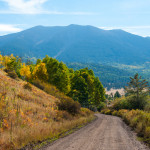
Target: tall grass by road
[{"x": 29, "y": 115}]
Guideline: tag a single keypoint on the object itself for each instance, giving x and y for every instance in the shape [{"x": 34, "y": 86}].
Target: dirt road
[{"x": 106, "y": 133}]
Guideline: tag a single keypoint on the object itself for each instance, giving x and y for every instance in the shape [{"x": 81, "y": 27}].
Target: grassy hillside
[
  {"x": 29, "y": 115},
  {"x": 81, "y": 85}
]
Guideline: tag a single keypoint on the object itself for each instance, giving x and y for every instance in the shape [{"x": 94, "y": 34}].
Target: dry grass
[
  {"x": 113, "y": 91},
  {"x": 29, "y": 116},
  {"x": 139, "y": 120}
]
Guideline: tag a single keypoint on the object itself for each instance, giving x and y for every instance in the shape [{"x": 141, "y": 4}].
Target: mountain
[{"x": 75, "y": 43}]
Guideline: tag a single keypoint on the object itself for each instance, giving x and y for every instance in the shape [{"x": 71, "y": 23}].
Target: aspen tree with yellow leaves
[
  {"x": 1, "y": 60},
  {"x": 25, "y": 72},
  {"x": 40, "y": 72}
]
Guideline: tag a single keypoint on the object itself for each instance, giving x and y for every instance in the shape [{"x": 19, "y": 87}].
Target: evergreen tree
[
  {"x": 138, "y": 90},
  {"x": 117, "y": 95}
]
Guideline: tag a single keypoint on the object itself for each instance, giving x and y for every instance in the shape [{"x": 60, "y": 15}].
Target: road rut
[{"x": 106, "y": 133}]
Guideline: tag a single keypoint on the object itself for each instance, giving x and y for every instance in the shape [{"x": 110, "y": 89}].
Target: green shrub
[
  {"x": 27, "y": 86},
  {"x": 147, "y": 107},
  {"x": 130, "y": 102},
  {"x": 106, "y": 111},
  {"x": 65, "y": 103},
  {"x": 93, "y": 108},
  {"x": 12, "y": 75},
  {"x": 147, "y": 132},
  {"x": 121, "y": 103},
  {"x": 7, "y": 70},
  {"x": 139, "y": 120},
  {"x": 101, "y": 106},
  {"x": 134, "y": 122},
  {"x": 38, "y": 84},
  {"x": 69, "y": 105},
  {"x": 114, "y": 113},
  {"x": 64, "y": 115},
  {"x": 85, "y": 111},
  {"x": 137, "y": 104},
  {"x": 139, "y": 128}
]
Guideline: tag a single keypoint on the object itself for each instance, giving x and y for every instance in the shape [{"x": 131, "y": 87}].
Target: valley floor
[{"x": 106, "y": 133}]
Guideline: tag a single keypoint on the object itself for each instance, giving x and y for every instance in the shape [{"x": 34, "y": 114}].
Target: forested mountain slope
[
  {"x": 75, "y": 43},
  {"x": 111, "y": 77}
]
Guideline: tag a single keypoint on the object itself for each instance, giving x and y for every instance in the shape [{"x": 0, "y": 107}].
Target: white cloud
[
  {"x": 7, "y": 28},
  {"x": 34, "y": 7},
  {"x": 128, "y": 27},
  {"x": 138, "y": 30},
  {"x": 24, "y": 7}
]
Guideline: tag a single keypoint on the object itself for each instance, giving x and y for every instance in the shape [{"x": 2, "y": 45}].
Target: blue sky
[{"x": 130, "y": 15}]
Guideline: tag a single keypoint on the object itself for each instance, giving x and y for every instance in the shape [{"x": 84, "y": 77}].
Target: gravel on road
[{"x": 106, "y": 133}]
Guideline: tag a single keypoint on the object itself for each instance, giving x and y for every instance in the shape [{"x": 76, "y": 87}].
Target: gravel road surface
[{"x": 106, "y": 133}]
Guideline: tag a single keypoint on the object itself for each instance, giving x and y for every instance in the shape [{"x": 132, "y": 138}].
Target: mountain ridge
[{"x": 75, "y": 43}]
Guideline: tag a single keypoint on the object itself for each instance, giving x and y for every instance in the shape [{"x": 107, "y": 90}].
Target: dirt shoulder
[{"x": 106, "y": 133}]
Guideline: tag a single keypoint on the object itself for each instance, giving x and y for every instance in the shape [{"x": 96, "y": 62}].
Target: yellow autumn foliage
[
  {"x": 1, "y": 59},
  {"x": 6, "y": 60},
  {"x": 25, "y": 71},
  {"x": 40, "y": 72}
]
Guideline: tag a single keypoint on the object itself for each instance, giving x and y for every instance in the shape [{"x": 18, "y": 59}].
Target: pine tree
[
  {"x": 138, "y": 90},
  {"x": 117, "y": 95}
]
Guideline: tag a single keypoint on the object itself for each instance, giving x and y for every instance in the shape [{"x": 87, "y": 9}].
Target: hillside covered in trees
[
  {"x": 81, "y": 85},
  {"x": 106, "y": 52},
  {"x": 111, "y": 77},
  {"x": 36, "y": 105},
  {"x": 77, "y": 43}
]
